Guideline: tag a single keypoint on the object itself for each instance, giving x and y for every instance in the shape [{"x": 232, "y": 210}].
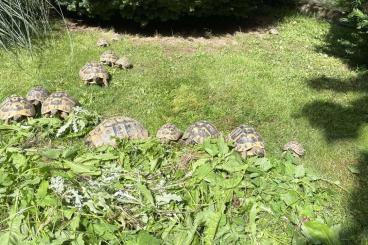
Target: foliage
[
  {"x": 23, "y": 21},
  {"x": 144, "y": 11},
  {"x": 141, "y": 192}
]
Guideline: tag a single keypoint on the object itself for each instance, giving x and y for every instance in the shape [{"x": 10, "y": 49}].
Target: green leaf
[
  {"x": 299, "y": 171},
  {"x": 321, "y": 232},
  {"x": 42, "y": 189},
  {"x": 210, "y": 148},
  {"x": 222, "y": 146},
  {"x": 53, "y": 154},
  {"x": 145, "y": 238},
  {"x": 290, "y": 198},
  {"x": 252, "y": 219},
  {"x": 212, "y": 223},
  {"x": 146, "y": 193},
  {"x": 82, "y": 169},
  {"x": 264, "y": 164}
]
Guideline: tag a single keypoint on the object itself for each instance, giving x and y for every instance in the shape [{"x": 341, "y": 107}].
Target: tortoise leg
[
  {"x": 105, "y": 82},
  {"x": 47, "y": 115},
  {"x": 54, "y": 112},
  {"x": 64, "y": 115},
  {"x": 244, "y": 154},
  {"x": 17, "y": 118}
]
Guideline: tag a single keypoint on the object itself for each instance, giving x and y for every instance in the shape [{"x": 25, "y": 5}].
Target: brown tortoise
[
  {"x": 94, "y": 73},
  {"x": 247, "y": 141},
  {"x": 124, "y": 63},
  {"x": 59, "y": 103},
  {"x": 295, "y": 148},
  {"x": 169, "y": 132},
  {"x": 116, "y": 127},
  {"x": 108, "y": 58},
  {"x": 37, "y": 95},
  {"x": 102, "y": 42},
  {"x": 16, "y": 108},
  {"x": 199, "y": 131}
]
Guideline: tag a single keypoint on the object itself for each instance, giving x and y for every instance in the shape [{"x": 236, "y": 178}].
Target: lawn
[{"x": 284, "y": 85}]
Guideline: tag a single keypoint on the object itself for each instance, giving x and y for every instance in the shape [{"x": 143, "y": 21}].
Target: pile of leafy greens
[{"x": 151, "y": 193}]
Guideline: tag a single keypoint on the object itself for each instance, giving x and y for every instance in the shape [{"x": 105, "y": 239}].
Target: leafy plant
[{"x": 136, "y": 193}]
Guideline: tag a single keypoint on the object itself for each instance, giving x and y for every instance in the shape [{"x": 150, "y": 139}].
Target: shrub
[
  {"x": 144, "y": 11},
  {"x": 22, "y": 21}
]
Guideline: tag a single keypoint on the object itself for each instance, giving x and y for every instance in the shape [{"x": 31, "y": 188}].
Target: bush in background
[{"x": 163, "y": 10}]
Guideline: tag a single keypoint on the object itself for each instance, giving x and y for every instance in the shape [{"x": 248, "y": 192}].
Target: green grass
[{"x": 268, "y": 81}]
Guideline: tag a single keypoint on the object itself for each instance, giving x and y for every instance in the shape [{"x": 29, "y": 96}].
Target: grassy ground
[{"x": 284, "y": 85}]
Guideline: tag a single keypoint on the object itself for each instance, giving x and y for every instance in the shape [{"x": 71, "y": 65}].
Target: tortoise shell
[
  {"x": 94, "y": 73},
  {"x": 124, "y": 63},
  {"x": 37, "y": 95},
  {"x": 102, "y": 43},
  {"x": 247, "y": 141},
  {"x": 199, "y": 131},
  {"x": 169, "y": 132},
  {"x": 116, "y": 127},
  {"x": 15, "y": 108},
  {"x": 59, "y": 102},
  {"x": 108, "y": 58},
  {"x": 295, "y": 148}
]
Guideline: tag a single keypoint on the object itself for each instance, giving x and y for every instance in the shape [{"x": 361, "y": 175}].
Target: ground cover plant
[
  {"x": 147, "y": 192},
  {"x": 285, "y": 85}
]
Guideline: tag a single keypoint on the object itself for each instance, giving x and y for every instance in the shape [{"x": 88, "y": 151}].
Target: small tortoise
[
  {"x": 199, "y": 131},
  {"x": 116, "y": 37},
  {"x": 102, "y": 43},
  {"x": 248, "y": 142},
  {"x": 116, "y": 127},
  {"x": 37, "y": 95},
  {"x": 16, "y": 108},
  {"x": 94, "y": 73},
  {"x": 123, "y": 63},
  {"x": 169, "y": 132},
  {"x": 58, "y": 103},
  {"x": 295, "y": 148},
  {"x": 108, "y": 58}
]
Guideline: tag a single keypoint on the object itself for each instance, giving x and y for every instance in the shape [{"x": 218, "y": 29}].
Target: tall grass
[{"x": 23, "y": 22}]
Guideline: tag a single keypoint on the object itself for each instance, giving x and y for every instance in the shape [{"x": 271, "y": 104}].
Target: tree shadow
[
  {"x": 344, "y": 122},
  {"x": 357, "y": 231},
  {"x": 327, "y": 83},
  {"x": 346, "y": 43},
  {"x": 337, "y": 121}
]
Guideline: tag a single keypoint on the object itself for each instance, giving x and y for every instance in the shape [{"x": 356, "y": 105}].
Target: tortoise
[
  {"x": 94, "y": 73},
  {"x": 295, "y": 148},
  {"x": 116, "y": 127},
  {"x": 116, "y": 37},
  {"x": 102, "y": 43},
  {"x": 123, "y": 63},
  {"x": 16, "y": 108},
  {"x": 248, "y": 142},
  {"x": 37, "y": 95},
  {"x": 199, "y": 131},
  {"x": 169, "y": 132},
  {"x": 58, "y": 103},
  {"x": 108, "y": 58}
]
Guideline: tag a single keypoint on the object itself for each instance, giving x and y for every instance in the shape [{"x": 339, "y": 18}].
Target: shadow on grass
[
  {"x": 337, "y": 121},
  {"x": 358, "y": 84},
  {"x": 347, "y": 44},
  {"x": 344, "y": 122},
  {"x": 357, "y": 232}
]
